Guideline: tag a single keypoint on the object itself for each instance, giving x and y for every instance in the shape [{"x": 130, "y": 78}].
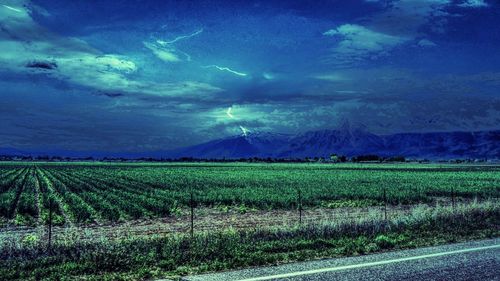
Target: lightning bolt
[
  {"x": 244, "y": 130},
  {"x": 226, "y": 69},
  {"x": 169, "y": 49},
  {"x": 12, "y": 9},
  {"x": 228, "y": 113},
  {"x": 163, "y": 43}
]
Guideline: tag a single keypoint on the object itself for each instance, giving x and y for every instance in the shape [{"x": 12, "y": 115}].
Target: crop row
[
  {"x": 109, "y": 193},
  {"x": 269, "y": 186},
  {"x": 12, "y": 188}
]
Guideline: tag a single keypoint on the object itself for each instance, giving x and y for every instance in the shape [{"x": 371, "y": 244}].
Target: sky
[{"x": 134, "y": 76}]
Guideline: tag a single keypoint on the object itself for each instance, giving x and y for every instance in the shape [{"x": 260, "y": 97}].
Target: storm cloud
[{"x": 156, "y": 75}]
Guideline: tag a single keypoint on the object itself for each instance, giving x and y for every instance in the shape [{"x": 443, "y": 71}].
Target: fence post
[
  {"x": 385, "y": 204},
  {"x": 191, "y": 203},
  {"x": 300, "y": 206},
  {"x": 452, "y": 198},
  {"x": 49, "y": 247}
]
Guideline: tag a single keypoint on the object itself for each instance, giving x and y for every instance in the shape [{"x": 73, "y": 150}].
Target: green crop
[{"x": 104, "y": 192}]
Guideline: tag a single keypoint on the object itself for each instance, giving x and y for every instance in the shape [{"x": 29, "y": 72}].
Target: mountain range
[
  {"x": 351, "y": 142},
  {"x": 345, "y": 140}
]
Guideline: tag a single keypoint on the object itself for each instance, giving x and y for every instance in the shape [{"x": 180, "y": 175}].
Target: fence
[{"x": 210, "y": 220}]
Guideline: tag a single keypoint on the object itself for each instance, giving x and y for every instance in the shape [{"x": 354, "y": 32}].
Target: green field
[
  {"x": 102, "y": 192},
  {"x": 131, "y": 221}
]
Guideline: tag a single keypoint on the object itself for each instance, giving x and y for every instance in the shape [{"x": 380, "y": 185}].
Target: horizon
[
  {"x": 174, "y": 154},
  {"x": 160, "y": 75}
]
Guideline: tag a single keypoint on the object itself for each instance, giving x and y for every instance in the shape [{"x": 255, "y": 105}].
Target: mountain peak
[{"x": 347, "y": 127}]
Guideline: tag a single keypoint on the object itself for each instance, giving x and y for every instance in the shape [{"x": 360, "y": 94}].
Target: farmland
[
  {"x": 129, "y": 221},
  {"x": 107, "y": 193}
]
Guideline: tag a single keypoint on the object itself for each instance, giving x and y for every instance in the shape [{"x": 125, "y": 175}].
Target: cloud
[
  {"x": 332, "y": 77},
  {"x": 42, "y": 64},
  {"x": 387, "y": 83},
  {"x": 236, "y": 120},
  {"x": 473, "y": 4},
  {"x": 165, "y": 54},
  {"x": 401, "y": 22},
  {"x": 109, "y": 94},
  {"x": 407, "y": 17},
  {"x": 426, "y": 43},
  {"x": 29, "y": 48},
  {"x": 268, "y": 76},
  {"x": 244, "y": 130},
  {"x": 358, "y": 42}
]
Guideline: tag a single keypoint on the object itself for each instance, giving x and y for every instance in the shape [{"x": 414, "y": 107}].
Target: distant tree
[
  {"x": 334, "y": 158},
  {"x": 367, "y": 158},
  {"x": 397, "y": 159}
]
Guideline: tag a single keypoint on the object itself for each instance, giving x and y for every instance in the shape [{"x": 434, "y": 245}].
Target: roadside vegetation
[{"x": 180, "y": 254}]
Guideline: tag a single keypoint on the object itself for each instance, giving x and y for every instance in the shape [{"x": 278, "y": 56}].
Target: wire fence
[{"x": 198, "y": 219}]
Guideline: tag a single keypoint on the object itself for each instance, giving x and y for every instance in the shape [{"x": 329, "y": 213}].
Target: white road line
[{"x": 368, "y": 264}]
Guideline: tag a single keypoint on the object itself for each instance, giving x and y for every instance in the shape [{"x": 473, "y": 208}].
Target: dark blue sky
[{"x": 154, "y": 75}]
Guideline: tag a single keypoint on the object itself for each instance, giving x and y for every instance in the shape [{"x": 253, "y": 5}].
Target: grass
[{"x": 178, "y": 254}]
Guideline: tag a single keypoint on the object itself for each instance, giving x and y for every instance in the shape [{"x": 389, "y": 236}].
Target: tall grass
[{"x": 180, "y": 254}]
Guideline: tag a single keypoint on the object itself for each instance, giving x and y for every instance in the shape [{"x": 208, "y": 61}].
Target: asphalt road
[{"x": 479, "y": 260}]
